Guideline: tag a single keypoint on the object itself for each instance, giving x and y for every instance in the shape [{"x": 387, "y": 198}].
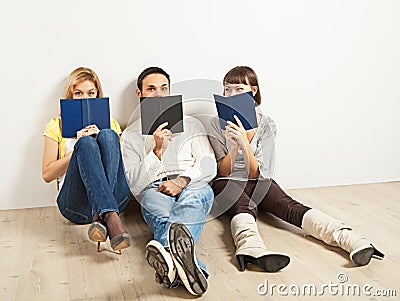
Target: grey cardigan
[{"x": 263, "y": 146}]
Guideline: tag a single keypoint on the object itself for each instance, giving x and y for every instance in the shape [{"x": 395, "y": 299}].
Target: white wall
[{"x": 329, "y": 72}]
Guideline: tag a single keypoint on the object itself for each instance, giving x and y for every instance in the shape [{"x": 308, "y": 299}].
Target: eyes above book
[{"x": 79, "y": 113}]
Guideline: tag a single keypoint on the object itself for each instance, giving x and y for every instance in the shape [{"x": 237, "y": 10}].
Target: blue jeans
[
  {"x": 95, "y": 181},
  {"x": 189, "y": 207}
]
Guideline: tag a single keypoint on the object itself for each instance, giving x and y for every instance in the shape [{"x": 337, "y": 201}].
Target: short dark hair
[
  {"x": 244, "y": 75},
  {"x": 148, "y": 71}
]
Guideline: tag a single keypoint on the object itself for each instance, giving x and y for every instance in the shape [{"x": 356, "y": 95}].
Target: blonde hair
[{"x": 79, "y": 75}]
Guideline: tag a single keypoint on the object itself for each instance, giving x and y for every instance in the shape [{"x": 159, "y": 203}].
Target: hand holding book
[
  {"x": 241, "y": 105},
  {"x": 77, "y": 114},
  {"x": 162, "y": 136},
  {"x": 158, "y": 110},
  {"x": 90, "y": 130},
  {"x": 236, "y": 133}
]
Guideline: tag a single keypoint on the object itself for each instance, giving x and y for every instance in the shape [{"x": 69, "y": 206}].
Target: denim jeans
[
  {"x": 189, "y": 207},
  {"x": 95, "y": 180}
]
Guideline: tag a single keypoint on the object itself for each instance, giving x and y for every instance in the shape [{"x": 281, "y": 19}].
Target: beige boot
[
  {"x": 335, "y": 233},
  {"x": 250, "y": 247}
]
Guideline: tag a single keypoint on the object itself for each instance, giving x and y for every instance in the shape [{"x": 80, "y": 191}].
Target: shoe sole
[
  {"x": 156, "y": 260},
  {"x": 270, "y": 263},
  {"x": 363, "y": 256},
  {"x": 182, "y": 250},
  {"x": 97, "y": 232},
  {"x": 121, "y": 241}
]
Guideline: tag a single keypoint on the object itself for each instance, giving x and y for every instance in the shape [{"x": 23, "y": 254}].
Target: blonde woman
[
  {"x": 245, "y": 189},
  {"x": 88, "y": 169}
]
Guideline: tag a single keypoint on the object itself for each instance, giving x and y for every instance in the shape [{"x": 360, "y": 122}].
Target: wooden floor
[{"x": 45, "y": 257}]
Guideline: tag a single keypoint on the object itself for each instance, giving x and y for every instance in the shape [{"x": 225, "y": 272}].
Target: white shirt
[
  {"x": 188, "y": 154},
  {"x": 69, "y": 147}
]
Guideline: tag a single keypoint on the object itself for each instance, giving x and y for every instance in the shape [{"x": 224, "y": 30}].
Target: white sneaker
[
  {"x": 161, "y": 261},
  {"x": 181, "y": 245}
]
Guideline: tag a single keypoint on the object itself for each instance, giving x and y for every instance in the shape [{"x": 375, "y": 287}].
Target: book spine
[
  {"x": 85, "y": 112},
  {"x": 89, "y": 115}
]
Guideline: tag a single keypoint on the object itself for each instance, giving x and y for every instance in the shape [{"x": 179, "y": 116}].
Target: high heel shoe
[
  {"x": 120, "y": 241},
  {"x": 250, "y": 247},
  {"x": 335, "y": 232},
  {"x": 97, "y": 232},
  {"x": 270, "y": 263}
]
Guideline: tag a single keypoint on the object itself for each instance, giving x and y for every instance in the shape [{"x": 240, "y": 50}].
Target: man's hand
[
  {"x": 161, "y": 137},
  {"x": 173, "y": 187}
]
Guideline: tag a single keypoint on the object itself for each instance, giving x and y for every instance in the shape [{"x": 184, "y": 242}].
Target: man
[{"x": 169, "y": 174}]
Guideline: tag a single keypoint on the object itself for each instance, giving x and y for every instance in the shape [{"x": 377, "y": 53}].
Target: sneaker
[
  {"x": 161, "y": 261},
  {"x": 181, "y": 245}
]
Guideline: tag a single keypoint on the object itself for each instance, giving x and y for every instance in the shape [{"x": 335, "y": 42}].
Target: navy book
[
  {"x": 79, "y": 113},
  {"x": 242, "y": 105},
  {"x": 155, "y": 111}
]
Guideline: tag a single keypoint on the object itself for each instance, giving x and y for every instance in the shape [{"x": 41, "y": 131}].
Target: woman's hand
[
  {"x": 237, "y": 133},
  {"x": 231, "y": 138},
  {"x": 90, "y": 130}
]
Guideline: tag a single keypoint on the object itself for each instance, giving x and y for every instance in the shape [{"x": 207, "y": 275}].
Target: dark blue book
[
  {"x": 79, "y": 113},
  {"x": 242, "y": 105},
  {"x": 154, "y": 111}
]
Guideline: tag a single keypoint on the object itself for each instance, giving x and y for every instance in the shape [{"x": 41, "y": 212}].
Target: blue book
[
  {"x": 79, "y": 113},
  {"x": 242, "y": 105},
  {"x": 154, "y": 111}
]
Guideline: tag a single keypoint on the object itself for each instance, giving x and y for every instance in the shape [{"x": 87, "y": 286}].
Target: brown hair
[
  {"x": 244, "y": 75},
  {"x": 79, "y": 75}
]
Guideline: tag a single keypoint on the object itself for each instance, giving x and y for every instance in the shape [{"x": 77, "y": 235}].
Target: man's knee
[{"x": 201, "y": 191}]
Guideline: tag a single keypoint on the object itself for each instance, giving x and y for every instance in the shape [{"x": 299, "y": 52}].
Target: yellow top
[{"x": 53, "y": 131}]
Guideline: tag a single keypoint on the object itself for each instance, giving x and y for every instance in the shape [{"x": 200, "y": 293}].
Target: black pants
[{"x": 245, "y": 197}]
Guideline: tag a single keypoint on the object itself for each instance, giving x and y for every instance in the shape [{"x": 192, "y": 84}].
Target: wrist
[
  {"x": 234, "y": 148},
  {"x": 182, "y": 181},
  {"x": 157, "y": 152},
  {"x": 246, "y": 147}
]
